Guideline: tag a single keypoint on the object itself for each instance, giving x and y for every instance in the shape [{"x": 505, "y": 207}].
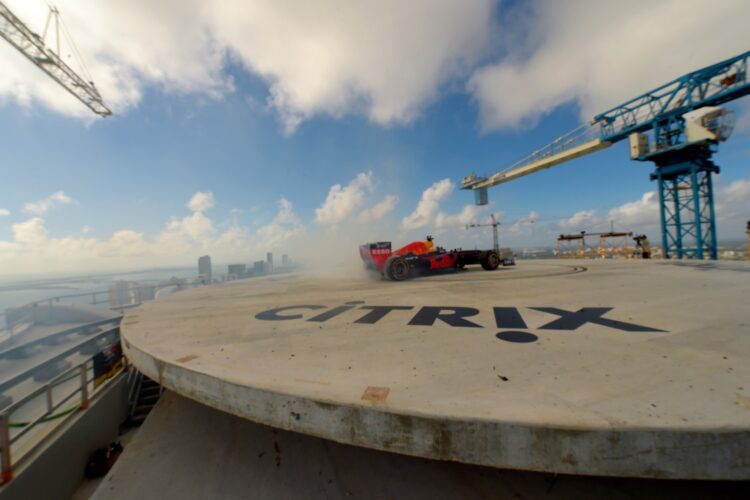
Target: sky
[{"x": 246, "y": 126}]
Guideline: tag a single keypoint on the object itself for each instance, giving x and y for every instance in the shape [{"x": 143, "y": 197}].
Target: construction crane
[
  {"x": 48, "y": 60},
  {"x": 494, "y": 224},
  {"x": 678, "y": 127}
]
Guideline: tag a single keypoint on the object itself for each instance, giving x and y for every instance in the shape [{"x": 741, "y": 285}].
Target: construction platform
[{"x": 606, "y": 368}]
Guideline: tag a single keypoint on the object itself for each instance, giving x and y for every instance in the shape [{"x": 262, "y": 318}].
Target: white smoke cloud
[
  {"x": 4, "y": 212},
  {"x": 284, "y": 227}
]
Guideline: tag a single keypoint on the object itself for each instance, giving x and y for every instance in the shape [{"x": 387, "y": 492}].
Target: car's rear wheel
[
  {"x": 490, "y": 261},
  {"x": 397, "y": 268}
]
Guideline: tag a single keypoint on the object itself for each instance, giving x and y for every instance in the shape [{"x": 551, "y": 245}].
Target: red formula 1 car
[{"x": 424, "y": 258}]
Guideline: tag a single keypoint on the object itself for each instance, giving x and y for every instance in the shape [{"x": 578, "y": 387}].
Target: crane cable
[{"x": 75, "y": 53}]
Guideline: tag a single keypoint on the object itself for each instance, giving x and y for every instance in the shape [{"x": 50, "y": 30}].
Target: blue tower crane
[{"x": 678, "y": 127}]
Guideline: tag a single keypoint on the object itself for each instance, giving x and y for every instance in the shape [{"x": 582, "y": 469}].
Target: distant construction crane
[
  {"x": 34, "y": 48},
  {"x": 686, "y": 125},
  {"x": 494, "y": 224}
]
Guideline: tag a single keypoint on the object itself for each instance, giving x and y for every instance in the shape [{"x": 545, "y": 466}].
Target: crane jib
[{"x": 711, "y": 86}]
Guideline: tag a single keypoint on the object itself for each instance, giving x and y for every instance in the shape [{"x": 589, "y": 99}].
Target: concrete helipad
[{"x": 622, "y": 368}]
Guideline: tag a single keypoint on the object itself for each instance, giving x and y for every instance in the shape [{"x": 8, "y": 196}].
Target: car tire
[
  {"x": 396, "y": 268},
  {"x": 490, "y": 261}
]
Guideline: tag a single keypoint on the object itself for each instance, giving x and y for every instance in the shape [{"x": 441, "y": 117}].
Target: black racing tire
[
  {"x": 396, "y": 268},
  {"x": 490, "y": 261}
]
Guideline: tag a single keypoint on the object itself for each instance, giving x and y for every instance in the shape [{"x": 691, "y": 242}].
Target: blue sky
[{"x": 138, "y": 169}]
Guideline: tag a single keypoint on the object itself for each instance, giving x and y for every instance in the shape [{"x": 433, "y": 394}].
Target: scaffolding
[{"x": 609, "y": 245}]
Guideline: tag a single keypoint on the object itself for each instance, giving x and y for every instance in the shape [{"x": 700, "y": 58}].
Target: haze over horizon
[{"x": 242, "y": 127}]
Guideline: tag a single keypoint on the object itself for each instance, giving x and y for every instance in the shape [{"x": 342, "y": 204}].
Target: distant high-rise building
[
  {"x": 122, "y": 293},
  {"x": 269, "y": 263},
  {"x": 285, "y": 260},
  {"x": 259, "y": 268},
  {"x": 204, "y": 269},
  {"x": 235, "y": 271}
]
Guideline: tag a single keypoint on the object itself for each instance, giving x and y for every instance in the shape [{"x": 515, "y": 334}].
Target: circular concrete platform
[{"x": 621, "y": 368}]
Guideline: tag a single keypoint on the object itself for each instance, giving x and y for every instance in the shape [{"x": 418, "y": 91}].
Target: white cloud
[
  {"x": 733, "y": 205},
  {"x": 449, "y": 228},
  {"x": 285, "y": 226},
  {"x": 385, "y": 60},
  {"x": 343, "y": 201},
  {"x": 200, "y": 202},
  {"x": 637, "y": 213},
  {"x": 580, "y": 221},
  {"x": 597, "y": 54},
  {"x": 31, "y": 232},
  {"x": 517, "y": 226},
  {"x": 196, "y": 227},
  {"x": 737, "y": 192},
  {"x": 42, "y": 206},
  {"x": 380, "y": 210},
  {"x": 466, "y": 216},
  {"x": 429, "y": 205},
  {"x": 87, "y": 229},
  {"x": 33, "y": 249},
  {"x": 4, "y": 212},
  {"x": 743, "y": 121}
]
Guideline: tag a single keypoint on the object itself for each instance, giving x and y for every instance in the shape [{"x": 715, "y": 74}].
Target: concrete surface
[
  {"x": 537, "y": 374},
  {"x": 188, "y": 451},
  {"x": 88, "y": 487}
]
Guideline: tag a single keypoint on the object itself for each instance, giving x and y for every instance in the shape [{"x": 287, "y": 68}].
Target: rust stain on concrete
[
  {"x": 373, "y": 393},
  {"x": 187, "y": 358},
  {"x": 742, "y": 401}
]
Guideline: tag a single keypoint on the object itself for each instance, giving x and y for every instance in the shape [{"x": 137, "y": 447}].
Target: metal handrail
[
  {"x": 6, "y": 441},
  {"x": 61, "y": 333},
  {"x": 27, "y": 372},
  {"x": 135, "y": 389},
  {"x": 49, "y": 302}
]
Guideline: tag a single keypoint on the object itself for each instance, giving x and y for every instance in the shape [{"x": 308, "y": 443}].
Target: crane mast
[
  {"x": 494, "y": 224},
  {"x": 32, "y": 46},
  {"x": 677, "y": 126}
]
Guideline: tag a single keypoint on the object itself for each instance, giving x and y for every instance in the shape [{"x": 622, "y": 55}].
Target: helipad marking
[
  {"x": 572, "y": 320},
  {"x": 517, "y": 337},
  {"x": 455, "y": 316}
]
